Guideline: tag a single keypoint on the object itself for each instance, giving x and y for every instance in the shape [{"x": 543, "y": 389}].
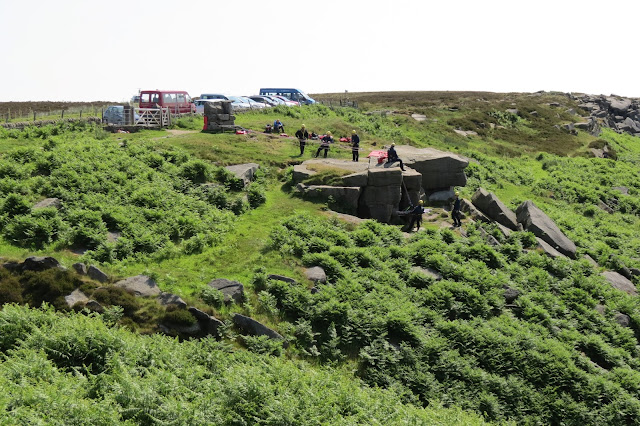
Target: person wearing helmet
[
  {"x": 392, "y": 156},
  {"x": 355, "y": 145},
  {"x": 455, "y": 212},
  {"x": 326, "y": 140},
  {"x": 302, "y": 136},
  {"x": 416, "y": 216}
]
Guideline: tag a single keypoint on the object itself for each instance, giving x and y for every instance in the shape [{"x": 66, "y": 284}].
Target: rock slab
[
  {"x": 232, "y": 290},
  {"x": 490, "y": 205},
  {"x": 536, "y": 221},
  {"x": 140, "y": 285}
]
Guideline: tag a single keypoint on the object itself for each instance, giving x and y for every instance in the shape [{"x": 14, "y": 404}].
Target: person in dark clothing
[
  {"x": 416, "y": 216},
  {"x": 392, "y": 156},
  {"x": 302, "y": 136},
  {"x": 455, "y": 213},
  {"x": 355, "y": 146},
  {"x": 278, "y": 126},
  {"x": 326, "y": 140}
]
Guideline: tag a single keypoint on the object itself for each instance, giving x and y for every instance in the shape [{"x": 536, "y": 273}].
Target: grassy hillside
[{"x": 557, "y": 354}]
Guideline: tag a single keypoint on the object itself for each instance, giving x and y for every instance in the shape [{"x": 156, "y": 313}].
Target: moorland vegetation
[{"x": 384, "y": 340}]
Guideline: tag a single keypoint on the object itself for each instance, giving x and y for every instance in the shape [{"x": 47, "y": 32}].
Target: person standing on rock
[
  {"x": 355, "y": 145},
  {"x": 326, "y": 140},
  {"x": 302, "y": 136},
  {"x": 455, "y": 213},
  {"x": 416, "y": 216},
  {"x": 392, "y": 156}
]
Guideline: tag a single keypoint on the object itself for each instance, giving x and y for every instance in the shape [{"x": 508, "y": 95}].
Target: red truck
[{"x": 178, "y": 101}]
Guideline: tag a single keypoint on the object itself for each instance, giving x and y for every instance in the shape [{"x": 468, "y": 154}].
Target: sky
[{"x": 72, "y": 50}]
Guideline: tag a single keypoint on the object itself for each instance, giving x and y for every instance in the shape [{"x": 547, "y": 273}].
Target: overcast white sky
[{"x": 72, "y": 50}]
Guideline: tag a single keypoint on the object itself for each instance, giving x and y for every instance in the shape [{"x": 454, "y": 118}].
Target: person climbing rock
[
  {"x": 416, "y": 216},
  {"x": 302, "y": 136},
  {"x": 326, "y": 140},
  {"x": 355, "y": 145},
  {"x": 392, "y": 156},
  {"x": 455, "y": 213}
]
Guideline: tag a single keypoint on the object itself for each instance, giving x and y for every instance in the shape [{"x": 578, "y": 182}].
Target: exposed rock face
[
  {"x": 534, "y": 220},
  {"x": 373, "y": 190},
  {"x": 439, "y": 169},
  {"x": 232, "y": 290},
  {"x": 510, "y": 294},
  {"x": 620, "y": 282},
  {"x": 140, "y": 285},
  {"x": 491, "y": 206},
  {"x": 345, "y": 197},
  {"x": 381, "y": 197},
  {"x": 245, "y": 172},
  {"x": 253, "y": 327},
  {"x": 432, "y": 273},
  {"x": 547, "y": 248},
  {"x": 620, "y": 114}
]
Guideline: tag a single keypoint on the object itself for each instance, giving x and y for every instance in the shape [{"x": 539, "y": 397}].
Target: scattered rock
[
  {"x": 547, "y": 249},
  {"x": 419, "y": 117},
  {"x": 622, "y": 319},
  {"x": 437, "y": 276},
  {"x": 620, "y": 282},
  {"x": 440, "y": 197},
  {"x": 209, "y": 325},
  {"x": 600, "y": 308},
  {"x": 492, "y": 207},
  {"x": 39, "y": 263},
  {"x": 534, "y": 220},
  {"x": 76, "y": 296},
  {"x": 622, "y": 189},
  {"x": 245, "y": 172},
  {"x": 510, "y": 294},
  {"x": 282, "y": 278},
  {"x": 94, "y": 306},
  {"x": 96, "y": 274},
  {"x": 590, "y": 260},
  {"x": 233, "y": 290},
  {"x": 47, "y": 202},
  {"x": 255, "y": 328},
  {"x": 140, "y": 285},
  {"x": 80, "y": 268},
  {"x": 167, "y": 299},
  {"x": 316, "y": 274}
]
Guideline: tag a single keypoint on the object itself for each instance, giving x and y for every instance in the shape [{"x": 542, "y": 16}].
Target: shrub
[
  {"x": 181, "y": 317},
  {"x": 263, "y": 345},
  {"x": 212, "y": 297},
  {"x": 197, "y": 171},
  {"x": 116, "y": 296},
  {"x": 15, "y": 204},
  {"x": 256, "y": 195}
]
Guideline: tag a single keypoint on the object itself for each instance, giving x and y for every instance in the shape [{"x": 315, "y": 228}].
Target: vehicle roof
[{"x": 163, "y": 91}]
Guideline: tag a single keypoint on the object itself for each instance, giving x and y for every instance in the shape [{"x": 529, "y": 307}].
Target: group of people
[
  {"x": 416, "y": 212},
  {"x": 325, "y": 142}
]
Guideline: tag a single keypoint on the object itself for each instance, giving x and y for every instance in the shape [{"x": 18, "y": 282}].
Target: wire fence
[{"x": 25, "y": 115}]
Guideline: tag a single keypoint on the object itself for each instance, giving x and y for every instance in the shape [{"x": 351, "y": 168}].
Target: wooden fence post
[
  {"x": 34, "y": 116},
  {"x": 62, "y": 116}
]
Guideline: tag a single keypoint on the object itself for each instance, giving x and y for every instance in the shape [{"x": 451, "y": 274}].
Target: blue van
[{"x": 293, "y": 94}]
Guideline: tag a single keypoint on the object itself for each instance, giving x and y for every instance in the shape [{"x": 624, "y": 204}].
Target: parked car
[
  {"x": 178, "y": 102},
  {"x": 286, "y": 101},
  {"x": 278, "y": 101},
  {"x": 265, "y": 100},
  {"x": 291, "y": 94},
  {"x": 114, "y": 114},
  {"x": 213, "y": 96},
  {"x": 238, "y": 103},
  {"x": 254, "y": 104},
  {"x": 200, "y": 104}
]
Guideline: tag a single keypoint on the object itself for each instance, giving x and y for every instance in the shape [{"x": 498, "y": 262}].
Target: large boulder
[
  {"x": 536, "y": 221},
  {"x": 439, "y": 169},
  {"x": 233, "y": 291},
  {"x": 208, "y": 324},
  {"x": 316, "y": 274},
  {"x": 490, "y": 205},
  {"x": 140, "y": 285},
  {"x": 96, "y": 274},
  {"x": 245, "y": 172},
  {"x": 168, "y": 299}
]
